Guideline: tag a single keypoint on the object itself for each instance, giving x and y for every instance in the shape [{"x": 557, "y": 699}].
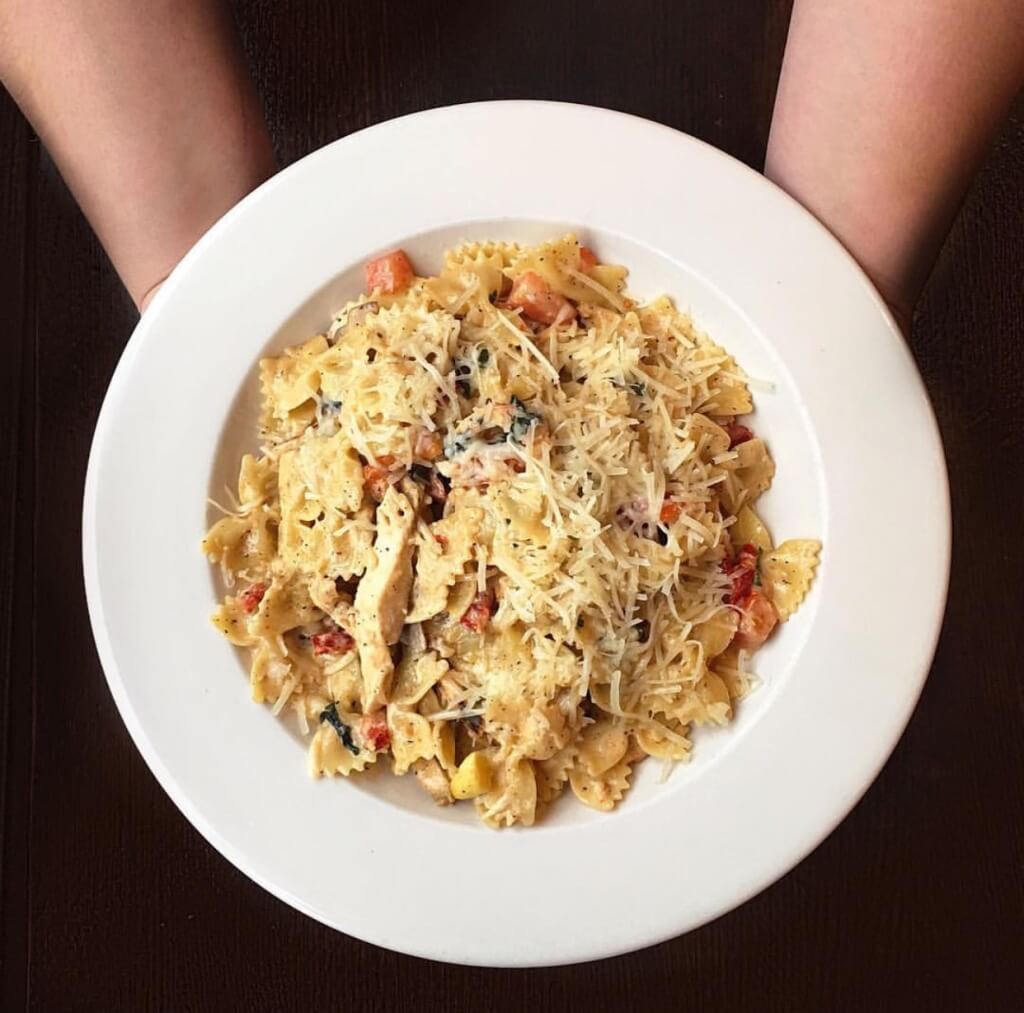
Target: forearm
[
  {"x": 149, "y": 113},
  {"x": 884, "y": 110}
]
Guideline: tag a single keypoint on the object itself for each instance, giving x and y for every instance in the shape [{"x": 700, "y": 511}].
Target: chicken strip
[{"x": 382, "y": 597}]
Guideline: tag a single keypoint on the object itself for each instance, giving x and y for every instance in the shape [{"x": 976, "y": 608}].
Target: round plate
[{"x": 860, "y": 466}]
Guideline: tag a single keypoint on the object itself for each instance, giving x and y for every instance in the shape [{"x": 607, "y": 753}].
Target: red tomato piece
[
  {"x": 478, "y": 615},
  {"x": 335, "y": 641},
  {"x": 741, "y": 569},
  {"x": 251, "y": 597},
  {"x": 389, "y": 273},
  {"x": 737, "y": 434},
  {"x": 588, "y": 259},
  {"x": 531, "y": 294},
  {"x": 373, "y": 729},
  {"x": 376, "y": 481},
  {"x": 670, "y": 511},
  {"x": 757, "y": 620},
  {"x": 429, "y": 446},
  {"x": 376, "y": 476}
]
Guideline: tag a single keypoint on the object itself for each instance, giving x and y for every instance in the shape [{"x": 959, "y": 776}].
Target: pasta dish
[{"x": 501, "y": 531}]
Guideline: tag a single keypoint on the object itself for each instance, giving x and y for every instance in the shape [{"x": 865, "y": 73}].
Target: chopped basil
[
  {"x": 463, "y": 372},
  {"x": 637, "y": 388},
  {"x": 522, "y": 419},
  {"x": 330, "y": 715},
  {"x": 327, "y": 410},
  {"x": 457, "y": 445}
]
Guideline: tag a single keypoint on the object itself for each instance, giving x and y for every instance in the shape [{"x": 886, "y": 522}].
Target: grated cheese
[{"x": 563, "y": 446}]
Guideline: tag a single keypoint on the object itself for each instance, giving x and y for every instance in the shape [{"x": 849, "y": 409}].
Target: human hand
[
  {"x": 164, "y": 88},
  {"x": 884, "y": 110}
]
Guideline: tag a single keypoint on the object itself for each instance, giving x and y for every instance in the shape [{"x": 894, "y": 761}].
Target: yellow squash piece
[{"x": 474, "y": 776}]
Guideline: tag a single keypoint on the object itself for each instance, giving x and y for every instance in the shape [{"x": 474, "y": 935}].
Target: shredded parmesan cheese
[{"x": 569, "y": 571}]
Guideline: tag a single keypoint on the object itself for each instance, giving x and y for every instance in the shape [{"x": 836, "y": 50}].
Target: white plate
[{"x": 860, "y": 466}]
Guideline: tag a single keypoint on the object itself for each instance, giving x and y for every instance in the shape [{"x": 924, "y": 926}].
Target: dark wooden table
[{"x": 112, "y": 901}]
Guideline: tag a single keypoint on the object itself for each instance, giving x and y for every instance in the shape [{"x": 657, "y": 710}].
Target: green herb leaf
[
  {"x": 330, "y": 715},
  {"x": 522, "y": 419},
  {"x": 457, "y": 445}
]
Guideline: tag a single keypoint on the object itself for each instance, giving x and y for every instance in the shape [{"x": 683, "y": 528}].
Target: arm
[
  {"x": 148, "y": 112},
  {"x": 885, "y": 109}
]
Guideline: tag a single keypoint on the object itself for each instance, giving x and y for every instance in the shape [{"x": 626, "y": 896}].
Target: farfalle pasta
[{"x": 501, "y": 532}]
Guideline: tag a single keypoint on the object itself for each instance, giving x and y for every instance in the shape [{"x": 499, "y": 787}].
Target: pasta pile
[{"x": 501, "y": 529}]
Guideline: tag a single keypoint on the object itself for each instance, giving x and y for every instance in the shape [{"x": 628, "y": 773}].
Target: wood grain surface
[{"x": 111, "y": 901}]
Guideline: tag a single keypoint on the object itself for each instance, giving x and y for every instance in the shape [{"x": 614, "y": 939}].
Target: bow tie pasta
[{"x": 502, "y": 531}]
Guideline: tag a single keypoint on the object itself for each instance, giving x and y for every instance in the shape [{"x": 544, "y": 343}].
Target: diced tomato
[
  {"x": 376, "y": 476},
  {"x": 531, "y": 294},
  {"x": 670, "y": 511},
  {"x": 757, "y": 620},
  {"x": 389, "y": 273},
  {"x": 335, "y": 641},
  {"x": 373, "y": 729},
  {"x": 588, "y": 259},
  {"x": 737, "y": 434},
  {"x": 429, "y": 446},
  {"x": 757, "y": 613},
  {"x": 441, "y": 540},
  {"x": 741, "y": 569},
  {"x": 251, "y": 597},
  {"x": 478, "y": 615},
  {"x": 376, "y": 481}
]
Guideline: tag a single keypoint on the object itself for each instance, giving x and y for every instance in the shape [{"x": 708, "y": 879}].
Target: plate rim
[{"x": 116, "y": 681}]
